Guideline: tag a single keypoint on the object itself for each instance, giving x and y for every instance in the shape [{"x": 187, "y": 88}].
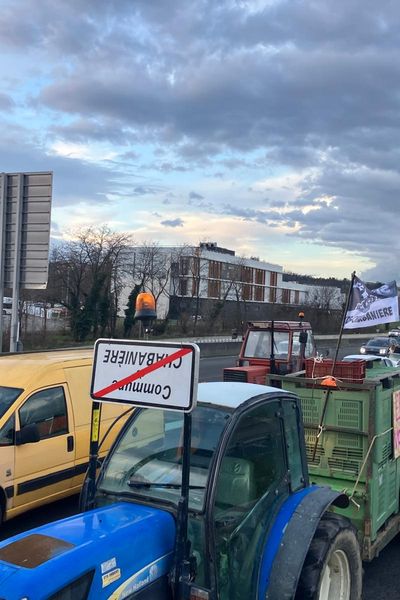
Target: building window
[
  {"x": 195, "y": 287},
  {"x": 183, "y": 287},
  {"x": 273, "y": 283},
  {"x": 247, "y": 292},
  {"x": 214, "y": 288},
  {"x": 258, "y": 293},
  {"x": 230, "y": 271},
  {"x": 285, "y": 296},
  {"x": 214, "y": 269},
  {"x": 247, "y": 274},
  {"x": 174, "y": 269},
  {"x": 259, "y": 277},
  {"x": 196, "y": 266},
  {"x": 184, "y": 265}
]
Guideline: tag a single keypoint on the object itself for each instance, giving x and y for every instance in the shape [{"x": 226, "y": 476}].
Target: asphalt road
[{"x": 380, "y": 580}]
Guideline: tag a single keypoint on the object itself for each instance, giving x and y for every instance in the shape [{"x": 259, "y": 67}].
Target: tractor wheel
[{"x": 332, "y": 569}]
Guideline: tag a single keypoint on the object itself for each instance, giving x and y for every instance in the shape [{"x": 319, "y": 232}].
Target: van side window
[
  {"x": 7, "y": 432},
  {"x": 48, "y": 410}
]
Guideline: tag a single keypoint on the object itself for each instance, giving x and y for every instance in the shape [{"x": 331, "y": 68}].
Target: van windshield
[{"x": 8, "y": 395}]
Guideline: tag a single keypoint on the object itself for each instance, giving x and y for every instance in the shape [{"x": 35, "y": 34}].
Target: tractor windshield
[
  {"x": 147, "y": 459},
  {"x": 258, "y": 344}
]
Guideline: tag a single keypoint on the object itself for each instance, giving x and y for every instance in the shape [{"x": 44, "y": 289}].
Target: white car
[
  {"x": 385, "y": 361},
  {"x": 394, "y": 332}
]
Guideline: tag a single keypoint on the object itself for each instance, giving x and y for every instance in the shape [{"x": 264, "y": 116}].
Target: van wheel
[{"x": 332, "y": 569}]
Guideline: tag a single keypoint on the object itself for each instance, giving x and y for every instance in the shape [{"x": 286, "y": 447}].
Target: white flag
[{"x": 372, "y": 307}]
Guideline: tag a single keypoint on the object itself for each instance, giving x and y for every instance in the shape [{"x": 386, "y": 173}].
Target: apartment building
[
  {"x": 214, "y": 272},
  {"x": 208, "y": 272}
]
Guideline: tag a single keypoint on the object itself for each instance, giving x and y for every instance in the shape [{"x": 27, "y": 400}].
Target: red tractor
[{"x": 272, "y": 347}]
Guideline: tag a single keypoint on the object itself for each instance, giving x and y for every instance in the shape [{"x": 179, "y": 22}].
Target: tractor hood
[{"x": 113, "y": 551}]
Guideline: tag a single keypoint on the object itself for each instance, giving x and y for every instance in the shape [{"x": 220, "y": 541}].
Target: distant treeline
[{"x": 343, "y": 284}]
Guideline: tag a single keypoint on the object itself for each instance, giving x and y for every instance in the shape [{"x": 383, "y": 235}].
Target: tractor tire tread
[{"x": 332, "y": 529}]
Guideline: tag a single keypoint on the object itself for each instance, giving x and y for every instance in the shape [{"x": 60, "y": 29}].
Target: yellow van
[{"x": 45, "y": 411}]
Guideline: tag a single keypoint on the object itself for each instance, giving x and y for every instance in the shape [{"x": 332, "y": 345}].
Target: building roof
[{"x": 18, "y": 370}]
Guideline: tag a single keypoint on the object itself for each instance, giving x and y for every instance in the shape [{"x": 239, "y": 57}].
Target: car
[
  {"x": 384, "y": 361},
  {"x": 283, "y": 347},
  {"x": 394, "y": 332},
  {"x": 377, "y": 345}
]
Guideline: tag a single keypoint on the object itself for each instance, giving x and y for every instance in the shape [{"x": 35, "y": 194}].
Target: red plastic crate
[{"x": 350, "y": 371}]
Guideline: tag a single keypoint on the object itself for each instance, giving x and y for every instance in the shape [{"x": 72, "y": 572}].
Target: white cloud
[{"x": 82, "y": 151}]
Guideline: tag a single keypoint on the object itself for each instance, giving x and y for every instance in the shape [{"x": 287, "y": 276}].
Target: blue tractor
[{"x": 251, "y": 527}]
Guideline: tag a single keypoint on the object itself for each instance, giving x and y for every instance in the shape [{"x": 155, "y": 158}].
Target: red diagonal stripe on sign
[{"x": 142, "y": 372}]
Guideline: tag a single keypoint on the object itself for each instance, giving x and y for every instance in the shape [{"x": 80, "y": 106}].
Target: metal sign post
[
  {"x": 157, "y": 375},
  {"x": 14, "y": 328},
  {"x": 182, "y": 568},
  {"x": 3, "y": 196},
  {"x": 86, "y": 499}
]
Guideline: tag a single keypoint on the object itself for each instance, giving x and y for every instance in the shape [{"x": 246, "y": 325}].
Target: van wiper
[{"x": 137, "y": 483}]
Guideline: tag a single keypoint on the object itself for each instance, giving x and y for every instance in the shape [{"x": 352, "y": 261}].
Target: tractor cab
[
  {"x": 239, "y": 477},
  {"x": 272, "y": 347}
]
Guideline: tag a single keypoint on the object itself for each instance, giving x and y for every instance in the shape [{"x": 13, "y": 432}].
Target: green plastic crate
[{"x": 355, "y": 449}]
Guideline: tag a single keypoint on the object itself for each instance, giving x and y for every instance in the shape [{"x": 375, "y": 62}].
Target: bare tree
[
  {"x": 89, "y": 272},
  {"x": 324, "y": 297},
  {"x": 152, "y": 268},
  {"x": 164, "y": 271},
  {"x": 235, "y": 286},
  {"x": 197, "y": 273}
]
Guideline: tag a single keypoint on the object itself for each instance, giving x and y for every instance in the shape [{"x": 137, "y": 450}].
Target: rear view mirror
[{"x": 27, "y": 435}]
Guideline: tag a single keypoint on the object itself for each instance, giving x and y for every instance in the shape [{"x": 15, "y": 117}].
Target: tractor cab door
[{"x": 251, "y": 484}]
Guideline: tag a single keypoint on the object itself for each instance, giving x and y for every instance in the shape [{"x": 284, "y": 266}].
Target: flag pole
[
  {"x": 321, "y": 422},
  {"x": 349, "y": 296}
]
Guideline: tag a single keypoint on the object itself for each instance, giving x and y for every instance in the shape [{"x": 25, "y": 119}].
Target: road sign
[
  {"x": 146, "y": 373},
  {"x": 25, "y": 220},
  {"x": 25, "y": 203}
]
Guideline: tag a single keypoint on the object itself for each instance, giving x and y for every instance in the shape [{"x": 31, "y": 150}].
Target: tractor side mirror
[{"x": 303, "y": 336}]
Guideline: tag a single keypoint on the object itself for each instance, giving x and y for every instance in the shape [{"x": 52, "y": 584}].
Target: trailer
[{"x": 351, "y": 420}]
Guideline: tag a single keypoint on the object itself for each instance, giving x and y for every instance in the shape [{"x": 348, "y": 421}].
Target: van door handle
[{"x": 70, "y": 443}]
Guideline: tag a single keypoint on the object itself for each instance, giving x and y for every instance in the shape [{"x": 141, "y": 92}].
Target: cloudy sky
[{"x": 268, "y": 126}]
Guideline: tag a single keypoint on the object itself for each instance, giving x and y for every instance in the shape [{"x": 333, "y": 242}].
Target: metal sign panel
[
  {"x": 26, "y": 204},
  {"x": 146, "y": 373}
]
